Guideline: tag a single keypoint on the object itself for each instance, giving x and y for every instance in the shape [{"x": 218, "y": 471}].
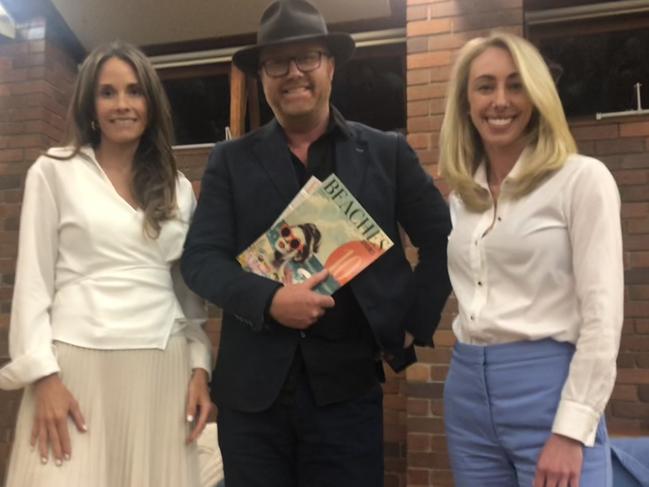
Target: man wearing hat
[{"x": 298, "y": 374}]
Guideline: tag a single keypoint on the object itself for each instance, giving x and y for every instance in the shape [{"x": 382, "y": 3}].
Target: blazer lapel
[
  {"x": 272, "y": 154},
  {"x": 351, "y": 162}
]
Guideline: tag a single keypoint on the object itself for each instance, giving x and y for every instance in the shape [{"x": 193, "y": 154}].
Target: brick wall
[
  {"x": 394, "y": 428},
  {"x": 623, "y": 144},
  {"x": 36, "y": 78},
  {"x": 435, "y": 30}
]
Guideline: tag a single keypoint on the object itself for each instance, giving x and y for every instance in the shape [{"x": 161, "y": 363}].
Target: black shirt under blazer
[{"x": 246, "y": 185}]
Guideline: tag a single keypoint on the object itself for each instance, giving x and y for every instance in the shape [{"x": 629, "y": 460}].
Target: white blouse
[
  {"x": 547, "y": 265},
  {"x": 87, "y": 275}
]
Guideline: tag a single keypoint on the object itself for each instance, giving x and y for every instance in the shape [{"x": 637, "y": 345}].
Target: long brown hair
[{"x": 154, "y": 165}]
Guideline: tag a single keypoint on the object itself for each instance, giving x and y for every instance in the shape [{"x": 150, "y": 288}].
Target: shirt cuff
[
  {"x": 199, "y": 359},
  {"x": 200, "y": 348},
  {"x": 269, "y": 321},
  {"x": 26, "y": 370},
  {"x": 576, "y": 421}
]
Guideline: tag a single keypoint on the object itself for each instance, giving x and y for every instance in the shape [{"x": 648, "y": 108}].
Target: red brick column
[
  {"x": 436, "y": 29},
  {"x": 36, "y": 78}
]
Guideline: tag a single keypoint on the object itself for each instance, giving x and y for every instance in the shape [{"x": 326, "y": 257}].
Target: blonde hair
[{"x": 549, "y": 141}]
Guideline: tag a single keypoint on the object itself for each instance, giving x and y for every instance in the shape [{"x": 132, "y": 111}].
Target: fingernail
[
  {"x": 43, "y": 460},
  {"x": 84, "y": 427},
  {"x": 190, "y": 418},
  {"x": 67, "y": 457},
  {"x": 58, "y": 462}
]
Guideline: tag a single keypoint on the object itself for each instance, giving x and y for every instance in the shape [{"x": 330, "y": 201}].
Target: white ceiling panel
[{"x": 153, "y": 22}]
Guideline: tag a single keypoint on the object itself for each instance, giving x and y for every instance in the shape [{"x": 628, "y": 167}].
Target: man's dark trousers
[{"x": 296, "y": 443}]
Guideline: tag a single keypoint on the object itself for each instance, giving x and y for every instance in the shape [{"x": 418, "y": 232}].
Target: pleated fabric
[{"x": 134, "y": 405}]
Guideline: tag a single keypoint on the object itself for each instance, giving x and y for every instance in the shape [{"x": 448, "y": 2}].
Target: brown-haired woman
[{"x": 105, "y": 337}]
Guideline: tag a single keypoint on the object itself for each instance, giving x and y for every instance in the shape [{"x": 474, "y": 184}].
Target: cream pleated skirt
[{"x": 134, "y": 405}]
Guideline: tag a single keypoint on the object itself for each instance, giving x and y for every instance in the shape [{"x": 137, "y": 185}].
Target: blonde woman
[
  {"x": 105, "y": 337},
  {"x": 535, "y": 259}
]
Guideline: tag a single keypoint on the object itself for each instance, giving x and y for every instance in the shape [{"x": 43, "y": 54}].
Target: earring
[{"x": 93, "y": 126}]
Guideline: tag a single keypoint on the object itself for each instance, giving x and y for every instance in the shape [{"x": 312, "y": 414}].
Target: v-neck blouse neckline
[{"x": 93, "y": 156}]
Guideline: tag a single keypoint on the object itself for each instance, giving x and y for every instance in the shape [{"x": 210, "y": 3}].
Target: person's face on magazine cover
[{"x": 291, "y": 240}]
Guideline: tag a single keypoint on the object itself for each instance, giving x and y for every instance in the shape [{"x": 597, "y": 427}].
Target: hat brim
[{"x": 341, "y": 45}]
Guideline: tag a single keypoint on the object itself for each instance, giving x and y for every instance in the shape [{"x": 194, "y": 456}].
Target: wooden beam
[
  {"x": 238, "y": 96},
  {"x": 253, "y": 103}
]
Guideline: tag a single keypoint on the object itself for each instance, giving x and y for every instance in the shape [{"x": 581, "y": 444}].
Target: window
[
  {"x": 597, "y": 48},
  {"x": 200, "y": 102},
  {"x": 598, "y": 71},
  {"x": 370, "y": 88}
]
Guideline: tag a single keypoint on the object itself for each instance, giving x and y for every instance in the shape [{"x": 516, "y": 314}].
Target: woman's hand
[
  {"x": 54, "y": 403},
  {"x": 560, "y": 463},
  {"x": 198, "y": 402}
]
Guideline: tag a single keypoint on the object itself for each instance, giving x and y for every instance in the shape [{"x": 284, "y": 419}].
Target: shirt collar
[
  {"x": 337, "y": 123},
  {"x": 480, "y": 175},
  {"x": 88, "y": 152}
]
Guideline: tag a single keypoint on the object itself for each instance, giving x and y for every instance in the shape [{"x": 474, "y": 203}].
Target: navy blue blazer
[{"x": 246, "y": 185}]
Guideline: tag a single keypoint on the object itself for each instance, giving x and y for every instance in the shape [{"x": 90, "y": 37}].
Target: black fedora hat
[{"x": 289, "y": 21}]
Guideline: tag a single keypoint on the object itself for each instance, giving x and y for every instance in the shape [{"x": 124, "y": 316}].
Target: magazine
[
  {"x": 324, "y": 227},
  {"x": 309, "y": 187}
]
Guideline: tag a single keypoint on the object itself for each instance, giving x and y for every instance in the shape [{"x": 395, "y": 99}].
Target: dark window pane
[
  {"x": 598, "y": 72},
  {"x": 200, "y": 108},
  {"x": 371, "y": 91}
]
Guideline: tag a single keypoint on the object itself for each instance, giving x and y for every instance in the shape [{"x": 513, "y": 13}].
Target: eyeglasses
[
  {"x": 306, "y": 62},
  {"x": 290, "y": 238}
]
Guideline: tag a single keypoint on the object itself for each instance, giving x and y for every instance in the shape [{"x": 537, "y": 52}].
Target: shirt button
[
  {"x": 479, "y": 283},
  {"x": 476, "y": 243},
  {"x": 302, "y": 334},
  {"x": 472, "y": 317},
  {"x": 500, "y": 218}
]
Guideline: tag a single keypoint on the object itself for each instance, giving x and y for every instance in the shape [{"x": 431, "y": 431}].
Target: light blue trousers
[{"x": 499, "y": 405}]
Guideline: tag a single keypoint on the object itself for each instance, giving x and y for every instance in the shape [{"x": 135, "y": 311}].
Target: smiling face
[
  {"x": 298, "y": 98},
  {"x": 120, "y": 104},
  {"x": 499, "y": 105}
]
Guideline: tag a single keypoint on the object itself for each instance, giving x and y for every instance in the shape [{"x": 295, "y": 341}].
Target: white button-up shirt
[
  {"x": 87, "y": 275},
  {"x": 547, "y": 265}
]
